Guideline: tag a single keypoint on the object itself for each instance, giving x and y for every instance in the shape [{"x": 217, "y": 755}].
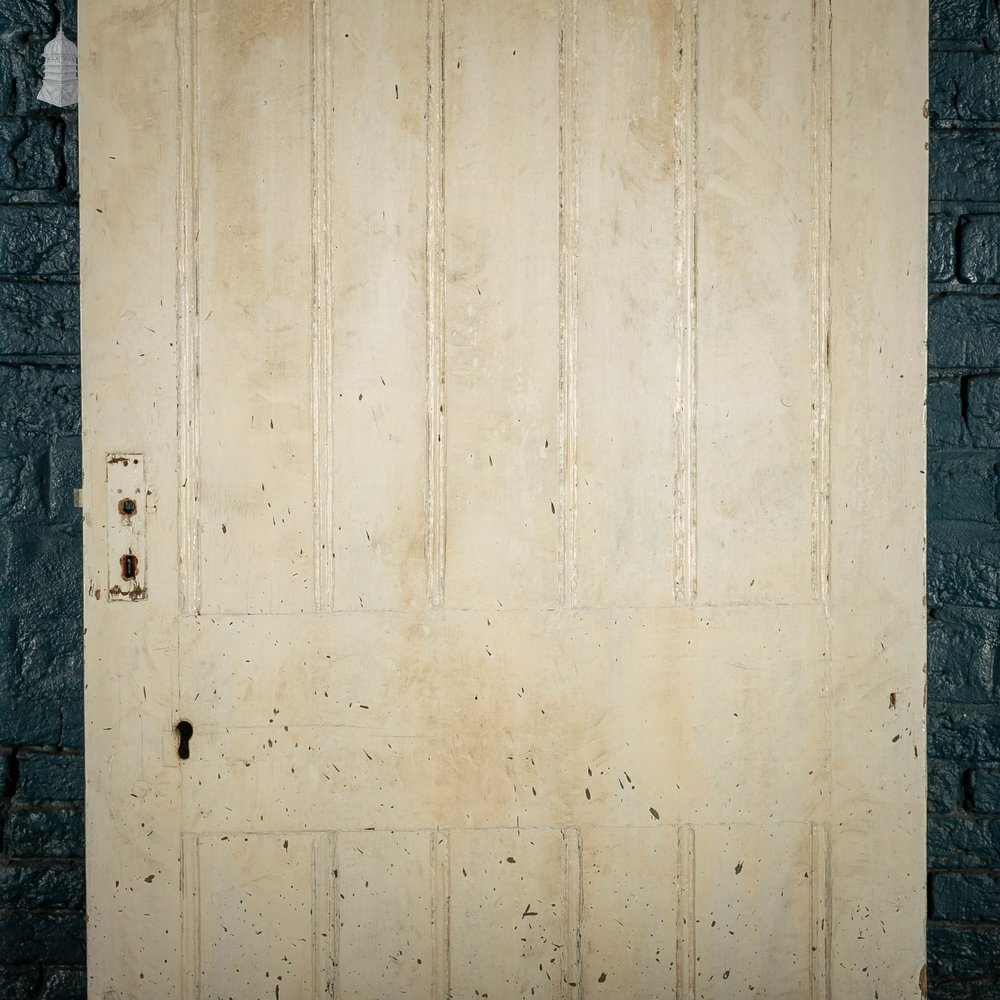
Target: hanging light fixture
[{"x": 60, "y": 86}]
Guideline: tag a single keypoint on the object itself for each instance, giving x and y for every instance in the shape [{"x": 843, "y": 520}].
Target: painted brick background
[
  {"x": 41, "y": 672},
  {"x": 963, "y": 495},
  {"x": 41, "y": 779}
]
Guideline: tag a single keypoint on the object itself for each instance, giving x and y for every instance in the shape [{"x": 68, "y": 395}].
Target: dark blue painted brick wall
[
  {"x": 41, "y": 673},
  {"x": 41, "y": 840},
  {"x": 964, "y": 503}
]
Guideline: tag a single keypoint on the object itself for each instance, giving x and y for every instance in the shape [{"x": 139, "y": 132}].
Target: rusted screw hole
[
  {"x": 127, "y": 507},
  {"x": 185, "y": 731},
  {"x": 130, "y": 566}
]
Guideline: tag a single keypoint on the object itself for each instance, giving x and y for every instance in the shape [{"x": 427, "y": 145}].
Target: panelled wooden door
[{"x": 503, "y": 498}]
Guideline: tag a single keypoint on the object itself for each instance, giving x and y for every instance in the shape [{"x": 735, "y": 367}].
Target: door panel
[
  {"x": 254, "y": 301},
  {"x": 526, "y": 911},
  {"x": 488, "y": 720},
  {"x": 370, "y": 366},
  {"x": 762, "y": 235},
  {"x": 529, "y": 418},
  {"x": 622, "y": 352},
  {"x": 502, "y": 310},
  {"x": 240, "y": 888}
]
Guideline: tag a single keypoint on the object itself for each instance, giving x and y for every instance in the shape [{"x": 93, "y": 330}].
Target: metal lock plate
[{"x": 126, "y": 528}]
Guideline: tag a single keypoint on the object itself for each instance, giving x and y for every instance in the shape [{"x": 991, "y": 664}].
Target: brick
[
  {"x": 21, "y": 487},
  {"x": 48, "y": 400},
  {"x": 49, "y": 776},
  {"x": 965, "y": 87},
  {"x": 979, "y": 247},
  {"x": 48, "y": 661},
  {"x": 967, "y": 732},
  {"x": 963, "y": 331},
  {"x": 969, "y": 21},
  {"x": 71, "y": 154},
  {"x": 31, "y": 159},
  {"x": 942, "y": 248},
  {"x": 964, "y": 841},
  {"x": 39, "y": 318},
  {"x": 955, "y": 952},
  {"x": 967, "y": 989},
  {"x": 40, "y": 887},
  {"x": 42, "y": 569},
  {"x": 27, "y": 16},
  {"x": 71, "y": 724},
  {"x": 983, "y": 410},
  {"x": 945, "y": 422},
  {"x": 21, "y": 62},
  {"x": 964, "y": 486},
  {"x": 40, "y": 671},
  {"x": 963, "y": 564},
  {"x": 45, "y": 833},
  {"x": 961, "y": 655},
  {"x": 39, "y": 241},
  {"x": 42, "y": 937},
  {"x": 968, "y": 897},
  {"x": 19, "y": 984},
  {"x": 65, "y": 474},
  {"x": 965, "y": 166},
  {"x": 65, "y": 984},
  {"x": 28, "y": 720},
  {"x": 944, "y": 788},
  {"x": 984, "y": 790}
]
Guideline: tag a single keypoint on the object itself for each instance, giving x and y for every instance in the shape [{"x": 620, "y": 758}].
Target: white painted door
[{"x": 504, "y": 465}]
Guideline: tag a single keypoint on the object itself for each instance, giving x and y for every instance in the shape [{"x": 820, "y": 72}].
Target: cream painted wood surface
[{"x": 525, "y": 407}]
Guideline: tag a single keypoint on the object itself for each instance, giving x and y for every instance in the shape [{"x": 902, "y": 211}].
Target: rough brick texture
[
  {"x": 42, "y": 926},
  {"x": 41, "y": 842},
  {"x": 963, "y": 494}
]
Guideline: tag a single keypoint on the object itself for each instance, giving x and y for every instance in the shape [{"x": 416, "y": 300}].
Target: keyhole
[
  {"x": 130, "y": 566},
  {"x": 185, "y": 731},
  {"x": 127, "y": 507}
]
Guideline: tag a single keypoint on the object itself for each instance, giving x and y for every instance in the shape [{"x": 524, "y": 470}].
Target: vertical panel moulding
[
  {"x": 440, "y": 916},
  {"x": 685, "y": 322},
  {"x": 191, "y": 919},
  {"x": 436, "y": 471},
  {"x": 188, "y": 324},
  {"x": 569, "y": 240},
  {"x": 821, "y": 923},
  {"x": 333, "y": 915},
  {"x": 323, "y": 295},
  {"x": 822, "y": 185},
  {"x": 572, "y": 950},
  {"x": 322, "y": 908},
  {"x": 686, "y": 944}
]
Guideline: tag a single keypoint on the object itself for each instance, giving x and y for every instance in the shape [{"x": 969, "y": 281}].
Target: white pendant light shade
[{"x": 60, "y": 86}]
